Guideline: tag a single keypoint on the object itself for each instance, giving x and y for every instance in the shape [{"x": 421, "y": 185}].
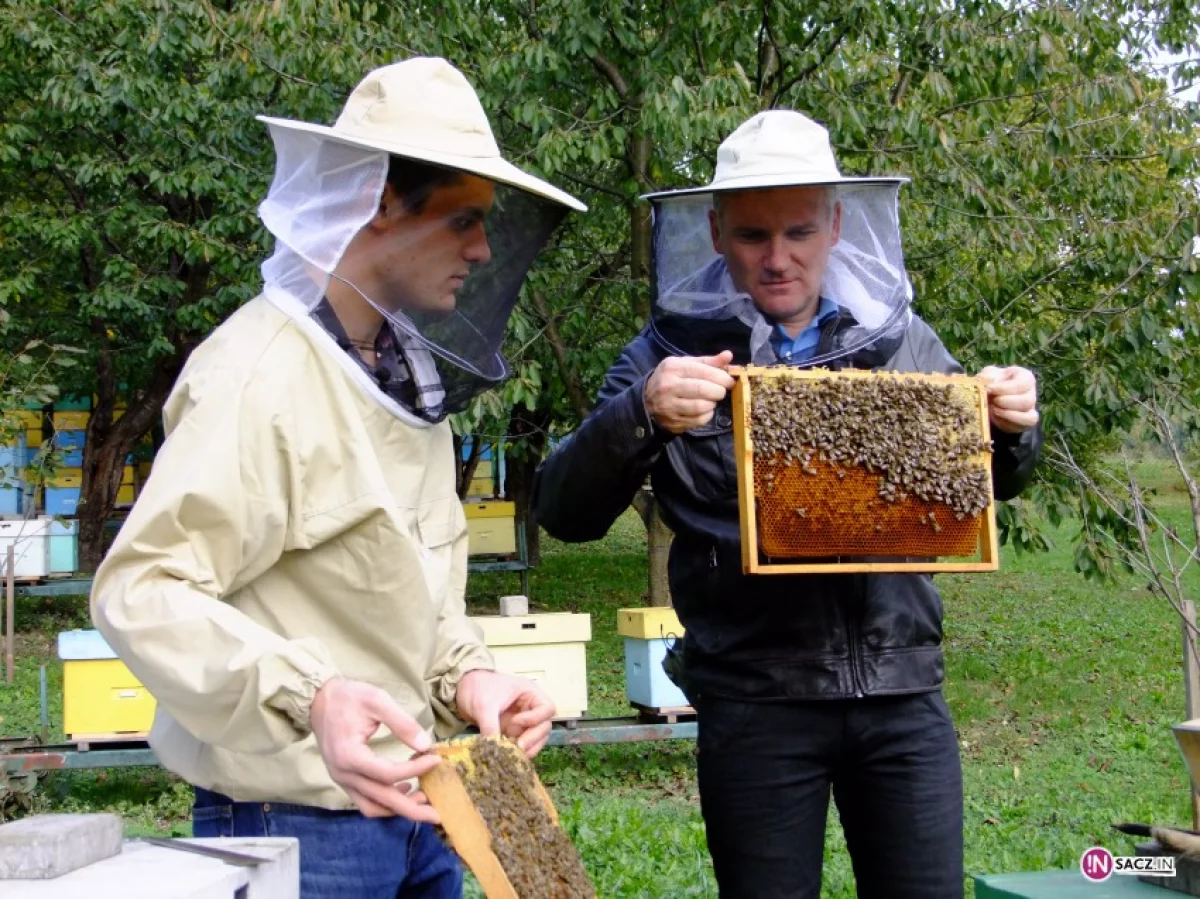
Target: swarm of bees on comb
[
  {"x": 881, "y": 465},
  {"x": 500, "y": 820}
]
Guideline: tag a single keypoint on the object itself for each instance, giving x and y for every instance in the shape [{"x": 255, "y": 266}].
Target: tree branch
[
  {"x": 575, "y": 391},
  {"x": 816, "y": 63},
  {"x": 610, "y": 71}
]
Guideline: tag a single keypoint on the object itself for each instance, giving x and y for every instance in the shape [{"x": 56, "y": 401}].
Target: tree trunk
[
  {"x": 658, "y": 543},
  {"x": 639, "y": 228},
  {"x": 107, "y": 444},
  {"x": 467, "y": 468},
  {"x": 527, "y": 433}
]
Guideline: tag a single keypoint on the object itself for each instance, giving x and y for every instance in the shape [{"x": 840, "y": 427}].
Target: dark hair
[{"x": 414, "y": 182}]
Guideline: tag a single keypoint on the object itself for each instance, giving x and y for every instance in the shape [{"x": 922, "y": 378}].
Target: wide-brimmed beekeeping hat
[
  {"x": 776, "y": 148},
  {"x": 425, "y": 109}
]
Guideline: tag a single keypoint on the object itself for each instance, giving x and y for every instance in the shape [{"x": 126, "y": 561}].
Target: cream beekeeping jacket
[{"x": 292, "y": 529}]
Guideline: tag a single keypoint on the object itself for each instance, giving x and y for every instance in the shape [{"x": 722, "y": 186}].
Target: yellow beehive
[
  {"x": 491, "y": 528},
  {"x": 66, "y": 478},
  {"x": 863, "y": 471},
  {"x": 29, "y": 419},
  {"x": 549, "y": 648},
  {"x": 71, "y": 420},
  {"x": 102, "y": 700},
  {"x": 482, "y": 483}
]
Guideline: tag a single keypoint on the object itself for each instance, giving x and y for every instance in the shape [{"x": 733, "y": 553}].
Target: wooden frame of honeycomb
[
  {"x": 502, "y": 823},
  {"x": 863, "y": 471}
]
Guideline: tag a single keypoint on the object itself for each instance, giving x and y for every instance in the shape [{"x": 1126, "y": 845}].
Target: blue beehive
[
  {"x": 648, "y": 633},
  {"x": 12, "y": 489},
  {"x": 64, "y": 547},
  {"x": 12, "y": 499},
  {"x": 70, "y": 443},
  {"x": 63, "y": 492}
]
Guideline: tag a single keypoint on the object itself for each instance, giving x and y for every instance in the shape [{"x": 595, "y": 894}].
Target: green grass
[{"x": 1063, "y": 691}]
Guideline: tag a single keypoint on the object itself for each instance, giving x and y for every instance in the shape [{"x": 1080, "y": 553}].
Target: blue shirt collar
[{"x": 804, "y": 344}]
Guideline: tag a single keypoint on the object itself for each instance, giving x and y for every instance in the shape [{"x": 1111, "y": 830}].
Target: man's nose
[
  {"x": 478, "y": 250},
  {"x": 777, "y": 256}
]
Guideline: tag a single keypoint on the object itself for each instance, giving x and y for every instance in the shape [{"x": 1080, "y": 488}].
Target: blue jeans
[
  {"x": 767, "y": 771},
  {"x": 342, "y": 854}
]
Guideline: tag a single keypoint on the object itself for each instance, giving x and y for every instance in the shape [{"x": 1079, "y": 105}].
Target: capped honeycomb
[
  {"x": 498, "y": 817},
  {"x": 868, "y": 464}
]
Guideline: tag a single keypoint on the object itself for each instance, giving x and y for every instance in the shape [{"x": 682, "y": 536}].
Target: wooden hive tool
[{"x": 499, "y": 819}]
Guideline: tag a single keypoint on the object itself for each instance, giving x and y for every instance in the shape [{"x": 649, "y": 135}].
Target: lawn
[{"x": 1063, "y": 691}]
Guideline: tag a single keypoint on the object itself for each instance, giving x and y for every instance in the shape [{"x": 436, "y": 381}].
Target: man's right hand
[
  {"x": 682, "y": 392},
  {"x": 345, "y": 715}
]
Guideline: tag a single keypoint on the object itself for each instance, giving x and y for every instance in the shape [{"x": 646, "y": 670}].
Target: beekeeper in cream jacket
[{"x": 289, "y": 585}]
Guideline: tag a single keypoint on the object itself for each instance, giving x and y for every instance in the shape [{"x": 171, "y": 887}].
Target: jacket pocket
[
  {"x": 212, "y": 821},
  {"x": 440, "y": 524}
]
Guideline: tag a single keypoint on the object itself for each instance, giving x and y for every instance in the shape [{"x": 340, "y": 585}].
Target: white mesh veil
[
  {"x": 322, "y": 195},
  {"x": 697, "y": 310}
]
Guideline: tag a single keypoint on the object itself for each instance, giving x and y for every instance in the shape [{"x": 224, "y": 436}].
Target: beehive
[
  {"x": 502, "y": 823},
  {"x": 863, "y": 471}
]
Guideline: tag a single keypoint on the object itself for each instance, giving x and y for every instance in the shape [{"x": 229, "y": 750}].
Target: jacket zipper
[{"x": 852, "y": 636}]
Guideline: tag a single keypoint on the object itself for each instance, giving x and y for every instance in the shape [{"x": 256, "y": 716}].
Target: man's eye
[
  {"x": 752, "y": 236},
  {"x": 801, "y": 233}
]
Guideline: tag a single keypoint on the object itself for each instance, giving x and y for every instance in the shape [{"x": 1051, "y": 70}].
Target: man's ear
[
  {"x": 390, "y": 209},
  {"x": 835, "y": 232},
  {"x": 714, "y": 227}
]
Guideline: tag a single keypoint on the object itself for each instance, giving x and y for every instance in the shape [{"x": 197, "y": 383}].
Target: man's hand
[
  {"x": 499, "y": 703},
  {"x": 345, "y": 715},
  {"x": 682, "y": 392},
  {"x": 1012, "y": 398}
]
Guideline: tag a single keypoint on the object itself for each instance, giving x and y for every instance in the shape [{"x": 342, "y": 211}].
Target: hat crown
[
  {"x": 781, "y": 144},
  {"x": 423, "y": 103}
]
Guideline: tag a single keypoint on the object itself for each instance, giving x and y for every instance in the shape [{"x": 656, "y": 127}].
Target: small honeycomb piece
[
  {"x": 500, "y": 820},
  {"x": 868, "y": 465}
]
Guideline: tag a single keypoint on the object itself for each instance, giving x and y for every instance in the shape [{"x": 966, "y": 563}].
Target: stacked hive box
[
  {"x": 549, "y": 648},
  {"x": 31, "y": 493},
  {"x": 648, "y": 633}
]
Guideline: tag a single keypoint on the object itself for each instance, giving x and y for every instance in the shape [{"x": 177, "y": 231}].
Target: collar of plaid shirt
[{"x": 398, "y": 358}]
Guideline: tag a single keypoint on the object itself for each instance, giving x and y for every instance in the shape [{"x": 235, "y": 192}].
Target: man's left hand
[
  {"x": 500, "y": 703},
  {"x": 1012, "y": 398}
]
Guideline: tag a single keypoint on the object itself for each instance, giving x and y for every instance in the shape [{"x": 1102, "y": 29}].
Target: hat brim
[
  {"x": 772, "y": 181},
  {"x": 493, "y": 168}
]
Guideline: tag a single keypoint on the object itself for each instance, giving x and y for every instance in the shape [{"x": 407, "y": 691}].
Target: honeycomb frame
[
  {"x": 464, "y": 822},
  {"x": 984, "y": 545}
]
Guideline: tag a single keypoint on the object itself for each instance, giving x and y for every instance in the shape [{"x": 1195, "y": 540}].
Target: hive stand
[{"x": 987, "y": 556}]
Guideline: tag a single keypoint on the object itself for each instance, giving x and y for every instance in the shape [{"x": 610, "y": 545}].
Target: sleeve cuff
[
  {"x": 296, "y": 700},
  {"x": 635, "y": 429},
  {"x": 445, "y": 688}
]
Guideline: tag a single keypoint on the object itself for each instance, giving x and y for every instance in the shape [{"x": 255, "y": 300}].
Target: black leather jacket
[{"x": 756, "y": 637}]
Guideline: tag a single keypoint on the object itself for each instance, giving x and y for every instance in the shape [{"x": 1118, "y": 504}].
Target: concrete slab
[
  {"x": 44, "y": 847},
  {"x": 143, "y": 871}
]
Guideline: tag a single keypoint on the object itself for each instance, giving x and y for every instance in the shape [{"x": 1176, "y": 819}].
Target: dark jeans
[
  {"x": 766, "y": 771},
  {"x": 342, "y": 854}
]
